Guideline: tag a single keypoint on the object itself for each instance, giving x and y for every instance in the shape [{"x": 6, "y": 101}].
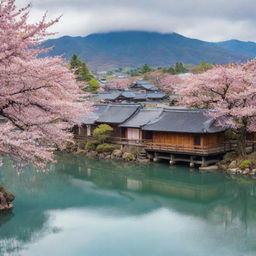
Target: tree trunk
[{"x": 241, "y": 142}]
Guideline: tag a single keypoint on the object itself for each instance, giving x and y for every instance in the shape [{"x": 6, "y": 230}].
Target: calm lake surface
[{"x": 87, "y": 207}]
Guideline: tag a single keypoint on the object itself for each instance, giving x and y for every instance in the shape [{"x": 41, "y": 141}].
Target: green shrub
[
  {"x": 91, "y": 145},
  {"x": 104, "y": 148},
  {"x": 102, "y": 133},
  {"x": 129, "y": 156},
  {"x": 93, "y": 86},
  {"x": 245, "y": 164}
]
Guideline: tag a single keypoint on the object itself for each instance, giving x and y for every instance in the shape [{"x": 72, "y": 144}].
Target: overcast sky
[{"x": 211, "y": 20}]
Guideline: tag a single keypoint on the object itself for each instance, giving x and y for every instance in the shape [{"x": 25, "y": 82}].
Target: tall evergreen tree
[
  {"x": 80, "y": 69},
  {"x": 75, "y": 62}
]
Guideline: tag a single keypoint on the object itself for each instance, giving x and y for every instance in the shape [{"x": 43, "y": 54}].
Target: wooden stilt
[{"x": 192, "y": 164}]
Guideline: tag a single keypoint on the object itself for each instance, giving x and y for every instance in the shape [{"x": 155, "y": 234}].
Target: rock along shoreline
[{"x": 6, "y": 198}]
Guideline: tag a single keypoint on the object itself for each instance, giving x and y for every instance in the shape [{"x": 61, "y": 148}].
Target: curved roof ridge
[
  {"x": 142, "y": 118},
  {"x": 157, "y": 119},
  {"x": 183, "y": 109}
]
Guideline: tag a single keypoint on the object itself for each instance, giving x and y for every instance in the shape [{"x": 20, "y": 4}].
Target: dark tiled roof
[
  {"x": 128, "y": 94},
  {"x": 145, "y": 85},
  {"x": 187, "y": 121},
  {"x": 156, "y": 95},
  {"x": 143, "y": 96},
  {"x": 118, "y": 113},
  {"x": 140, "y": 96},
  {"x": 143, "y": 117},
  {"x": 94, "y": 115},
  {"x": 111, "y": 95}
]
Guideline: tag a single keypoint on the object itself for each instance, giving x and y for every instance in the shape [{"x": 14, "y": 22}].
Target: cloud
[{"x": 203, "y": 19}]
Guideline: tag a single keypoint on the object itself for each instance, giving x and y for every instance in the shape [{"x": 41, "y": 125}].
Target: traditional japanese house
[
  {"x": 88, "y": 123},
  {"x": 109, "y": 96},
  {"x": 128, "y": 95},
  {"x": 144, "y": 85},
  {"x": 116, "y": 114},
  {"x": 132, "y": 132},
  {"x": 156, "y": 95},
  {"x": 185, "y": 135}
]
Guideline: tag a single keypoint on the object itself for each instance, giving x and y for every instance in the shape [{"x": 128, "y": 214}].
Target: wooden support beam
[
  {"x": 172, "y": 160},
  {"x": 192, "y": 163},
  {"x": 204, "y": 163},
  {"x": 155, "y": 159}
]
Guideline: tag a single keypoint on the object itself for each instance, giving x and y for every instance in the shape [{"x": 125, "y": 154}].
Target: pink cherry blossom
[
  {"x": 164, "y": 81},
  {"x": 38, "y": 96},
  {"x": 121, "y": 83},
  {"x": 230, "y": 91}
]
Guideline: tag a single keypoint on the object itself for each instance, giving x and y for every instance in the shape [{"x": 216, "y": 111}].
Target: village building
[
  {"x": 186, "y": 135},
  {"x": 140, "y": 91},
  {"x": 116, "y": 114},
  {"x": 109, "y": 96},
  {"x": 174, "y": 134},
  {"x": 112, "y": 96},
  {"x": 144, "y": 85},
  {"x": 132, "y": 128},
  {"x": 88, "y": 122},
  {"x": 111, "y": 114}
]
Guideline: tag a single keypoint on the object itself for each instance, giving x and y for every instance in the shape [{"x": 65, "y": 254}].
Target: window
[{"x": 197, "y": 140}]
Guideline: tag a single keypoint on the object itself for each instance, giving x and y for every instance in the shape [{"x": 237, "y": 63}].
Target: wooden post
[
  {"x": 203, "y": 162},
  {"x": 155, "y": 159},
  {"x": 192, "y": 164},
  {"x": 172, "y": 160}
]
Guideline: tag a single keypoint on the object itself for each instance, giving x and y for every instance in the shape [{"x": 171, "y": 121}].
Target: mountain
[
  {"x": 105, "y": 51},
  {"x": 240, "y": 47}
]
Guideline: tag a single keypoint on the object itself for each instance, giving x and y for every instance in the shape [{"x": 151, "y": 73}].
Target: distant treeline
[{"x": 177, "y": 68}]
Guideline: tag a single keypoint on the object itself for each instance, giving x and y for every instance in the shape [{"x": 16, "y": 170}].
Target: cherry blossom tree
[
  {"x": 168, "y": 82},
  {"x": 120, "y": 84},
  {"x": 38, "y": 96},
  {"x": 231, "y": 92},
  {"x": 164, "y": 81}
]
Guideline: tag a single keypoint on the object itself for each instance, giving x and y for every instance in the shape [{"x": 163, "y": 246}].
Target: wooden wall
[
  {"x": 117, "y": 132},
  {"x": 187, "y": 139},
  {"x": 213, "y": 139},
  {"x": 83, "y": 130}
]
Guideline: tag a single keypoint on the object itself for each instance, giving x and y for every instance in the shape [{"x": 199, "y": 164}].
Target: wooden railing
[
  {"x": 132, "y": 142},
  {"x": 186, "y": 148}
]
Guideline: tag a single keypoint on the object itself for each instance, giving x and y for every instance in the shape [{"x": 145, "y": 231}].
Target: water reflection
[{"x": 106, "y": 208}]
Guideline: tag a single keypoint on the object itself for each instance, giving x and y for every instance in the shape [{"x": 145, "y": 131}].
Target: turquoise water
[{"x": 95, "y": 208}]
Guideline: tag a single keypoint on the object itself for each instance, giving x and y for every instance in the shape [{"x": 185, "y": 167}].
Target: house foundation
[{"x": 192, "y": 160}]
